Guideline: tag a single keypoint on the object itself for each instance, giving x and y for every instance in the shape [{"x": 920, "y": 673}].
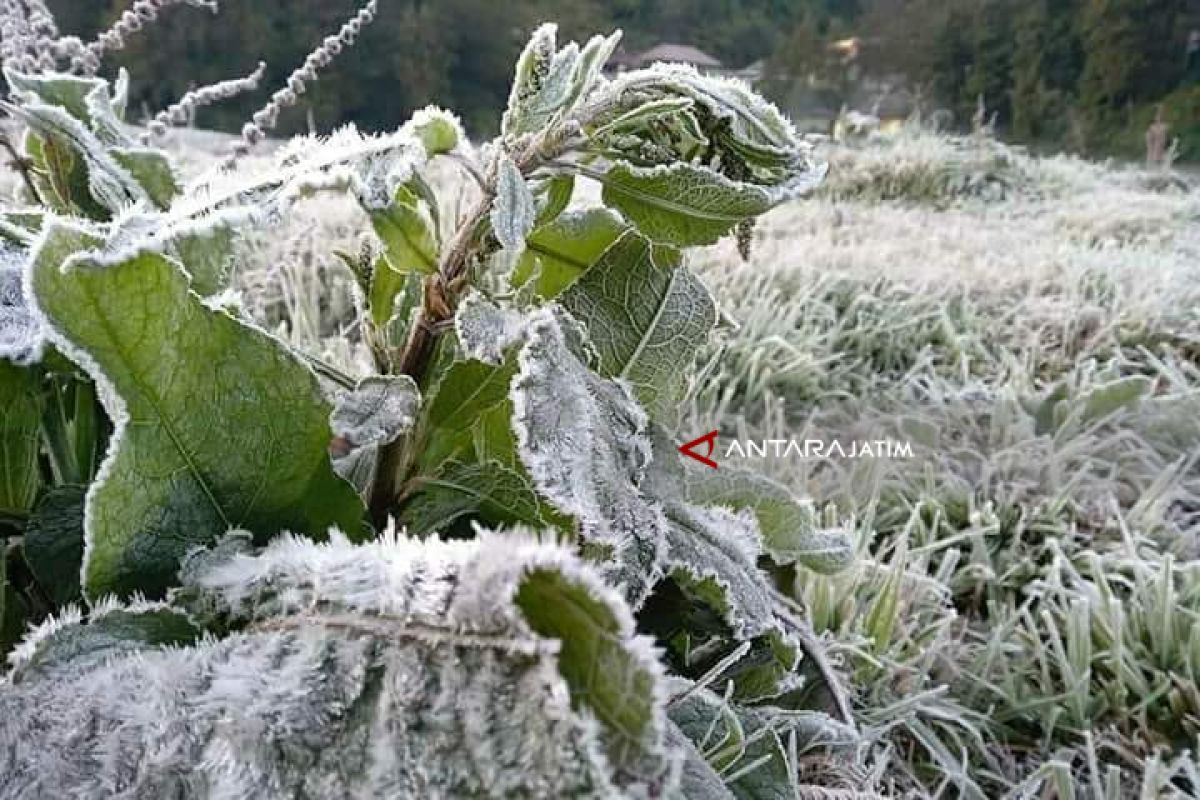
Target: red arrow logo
[{"x": 710, "y": 439}]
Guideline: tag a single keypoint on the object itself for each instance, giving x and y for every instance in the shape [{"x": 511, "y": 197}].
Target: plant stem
[
  {"x": 22, "y": 167},
  {"x": 440, "y": 298}
]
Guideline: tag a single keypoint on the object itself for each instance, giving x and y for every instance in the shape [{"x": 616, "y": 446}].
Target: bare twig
[{"x": 22, "y": 166}]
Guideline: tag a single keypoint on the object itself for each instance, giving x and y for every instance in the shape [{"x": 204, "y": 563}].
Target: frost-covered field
[{"x": 1024, "y": 615}]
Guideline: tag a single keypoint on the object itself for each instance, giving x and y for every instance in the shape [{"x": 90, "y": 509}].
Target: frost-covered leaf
[
  {"x": 638, "y": 116},
  {"x": 66, "y": 644},
  {"x": 684, "y": 205},
  {"x": 514, "y": 210},
  {"x": 442, "y": 606},
  {"x": 1113, "y": 396},
  {"x": 582, "y": 438},
  {"x": 550, "y": 82},
  {"x": 557, "y": 253},
  {"x": 743, "y": 123},
  {"x": 736, "y": 738},
  {"x": 590, "y": 65},
  {"x": 57, "y": 89},
  {"x": 19, "y": 228},
  {"x": 486, "y": 330},
  {"x": 371, "y": 166},
  {"x": 791, "y": 528},
  {"x": 217, "y": 424},
  {"x": 20, "y": 438},
  {"x": 206, "y": 252},
  {"x": 377, "y": 411},
  {"x": 646, "y": 315},
  {"x": 585, "y": 443},
  {"x": 53, "y": 542},
  {"x": 152, "y": 170},
  {"x": 532, "y": 67},
  {"x": 204, "y": 248},
  {"x": 68, "y": 147}
]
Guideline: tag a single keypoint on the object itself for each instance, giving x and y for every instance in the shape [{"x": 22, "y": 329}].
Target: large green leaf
[
  {"x": 646, "y": 315},
  {"x": 558, "y": 252},
  {"x": 454, "y": 631},
  {"x": 20, "y": 418},
  {"x": 681, "y": 204},
  {"x": 218, "y": 425}
]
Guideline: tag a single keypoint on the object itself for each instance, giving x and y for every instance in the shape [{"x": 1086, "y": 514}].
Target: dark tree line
[{"x": 1052, "y": 70}]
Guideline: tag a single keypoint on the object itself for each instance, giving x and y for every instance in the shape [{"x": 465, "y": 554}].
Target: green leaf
[
  {"x": 558, "y": 191},
  {"x": 83, "y": 170},
  {"x": 645, "y": 112},
  {"x": 646, "y": 315},
  {"x": 466, "y": 390},
  {"x": 557, "y": 253},
  {"x": 206, "y": 252},
  {"x": 217, "y": 425},
  {"x": 54, "y": 542},
  {"x": 790, "y": 527},
  {"x": 490, "y": 490},
  {"x": 697, "y": 778},
  {"x": 56, "y": 89},
  {"x": 409, "y": 246},
  {"x": 152, "y": 170},
  {"x": 683, "y": 205},
  {"x": 743, "y": 123},
  {"x": 609, "y": 674},
  {"x": 20, "y": 422},
  {"x": 109, "y": 632}
]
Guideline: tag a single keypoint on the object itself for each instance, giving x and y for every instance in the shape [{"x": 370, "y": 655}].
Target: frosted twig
[
  {"x": 180, "y": 113},
  {"x": 267, "y": 117},
  {"x": 143, "y": 11}
]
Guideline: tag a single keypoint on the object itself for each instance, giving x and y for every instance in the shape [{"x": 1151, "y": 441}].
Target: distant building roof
[{"x": 683, "y": 53}]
